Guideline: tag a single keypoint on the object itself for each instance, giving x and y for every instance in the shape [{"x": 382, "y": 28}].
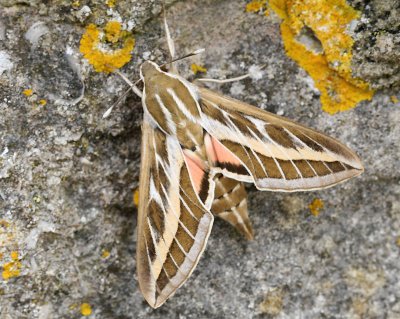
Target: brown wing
[
  {"x": 256, "y": 146},
  {"x": 173, "y": 225}
]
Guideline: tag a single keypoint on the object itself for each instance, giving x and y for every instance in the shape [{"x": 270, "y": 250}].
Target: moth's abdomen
[{"x": 230, "y": 204}]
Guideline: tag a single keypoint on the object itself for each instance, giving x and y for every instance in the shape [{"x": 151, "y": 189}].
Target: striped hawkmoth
[{"x": 198, "y": 149}]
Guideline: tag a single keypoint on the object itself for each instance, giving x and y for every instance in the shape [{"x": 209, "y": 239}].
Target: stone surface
[
  {"x": 377, "y": 50},
  {"x": 67, "y": 175}
]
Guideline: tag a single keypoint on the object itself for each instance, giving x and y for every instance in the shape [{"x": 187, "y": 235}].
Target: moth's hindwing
[{"x": 252, "y": 145}]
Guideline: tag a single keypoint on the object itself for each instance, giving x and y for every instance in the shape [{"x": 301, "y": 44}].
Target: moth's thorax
[{"x": 172, "y": 103}]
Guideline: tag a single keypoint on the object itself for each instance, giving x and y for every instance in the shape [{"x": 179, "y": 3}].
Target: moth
[{"x": 198, "y": 149}]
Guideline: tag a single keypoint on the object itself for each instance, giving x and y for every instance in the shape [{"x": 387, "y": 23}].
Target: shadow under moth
[{"x": 198, "y": 149}]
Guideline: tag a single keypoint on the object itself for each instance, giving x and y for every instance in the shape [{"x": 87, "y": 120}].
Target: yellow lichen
[
  {"x": 256, "y": 5},
  {"x": 42, "y": 102},
  {"x": 111, "y": 3},
  {"x": 86, "y": 309},
  {"x": 328, "y": 22},
  {"x": 136, "y": 197},
  {"x": 398, "y": 241},
  {"x": 315, "y": 206},
  {"x": 113, "y": 31},
  {"x": 279, "y": 7},
  {"x": 8, "y": 248},
  {"x": 101, "y": 48},
  {"x": 4, "y": 223},
  {"x": 394, "y": 99},
  {"x": 76, "y": 4},
  {"x": 198, "y": 68},
  {"x": 105, "y": 254},
  {"x": 13, "y": 268},
  {"x": 14, "y": 255},
  {"x": 27, "y": 92}
]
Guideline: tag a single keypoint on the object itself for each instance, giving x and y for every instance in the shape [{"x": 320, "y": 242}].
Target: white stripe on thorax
[
  {"x": 181, "y": 105},
  {"x": 168, "y": 116}
]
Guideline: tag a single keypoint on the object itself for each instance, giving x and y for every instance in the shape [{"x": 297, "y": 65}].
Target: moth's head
[{"x": 149, "y": 69}]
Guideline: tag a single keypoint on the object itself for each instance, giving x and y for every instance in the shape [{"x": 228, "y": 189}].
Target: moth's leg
[
  {"x": 221, "y": 81},
  {"x": 171, "y": 44}
]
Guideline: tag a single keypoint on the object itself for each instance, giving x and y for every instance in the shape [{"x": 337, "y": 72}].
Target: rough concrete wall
[{"x": 67, "y": 176}]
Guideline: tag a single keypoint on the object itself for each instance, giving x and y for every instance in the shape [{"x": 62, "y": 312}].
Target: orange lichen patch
[
  {"x": 27, "y": 92},
  {"x": 315, "y": 35},
  {"x": 394, "y": 99},
  {"x": 8, "y": 251},
  {"x": 105, "y": 254},
  {"x": 109, "y": 49},
  {"x": 86, "y": 309},
  {"x": 13, "y": 268},
  {"x": 279, "y": 7},
  {"x": 111, "y": 3},
  {"x": 136, "y": 197},
  {"x": 198, "y": 68},
  {"x": 14, "y": 255},
  {"x": 256, "y": 6},
  {"x": 42, "y": 102},
  {"x": 315, "y": 206},
  {"x": 113, "y": 31}
]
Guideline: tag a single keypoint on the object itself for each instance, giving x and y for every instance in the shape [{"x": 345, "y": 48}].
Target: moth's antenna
[
  {"x": 170, "y": 41},
  {"x": 196, "y": 52},
  {"x": 108, "y": 112},
  {"x": 132, "y": 86}
]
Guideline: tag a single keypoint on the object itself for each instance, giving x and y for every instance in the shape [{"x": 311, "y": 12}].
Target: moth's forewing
[
  {"x": 275, "y": 153},
  {"x": 173, "y": 224}
]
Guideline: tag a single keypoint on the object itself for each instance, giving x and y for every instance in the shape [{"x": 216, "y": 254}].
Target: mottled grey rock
[
  {"x": 377, "y": 47},
  {"x": 67, "y": 175}
]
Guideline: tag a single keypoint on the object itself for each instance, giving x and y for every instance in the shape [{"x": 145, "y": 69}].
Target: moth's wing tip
[
  {"x": 250, "y": 235},
  {"x": 357, "y": 164},
  {"x": 158, "y": 303},
  {"x": 360, "y": 168},
  {"x": 154, "y": 301}
]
